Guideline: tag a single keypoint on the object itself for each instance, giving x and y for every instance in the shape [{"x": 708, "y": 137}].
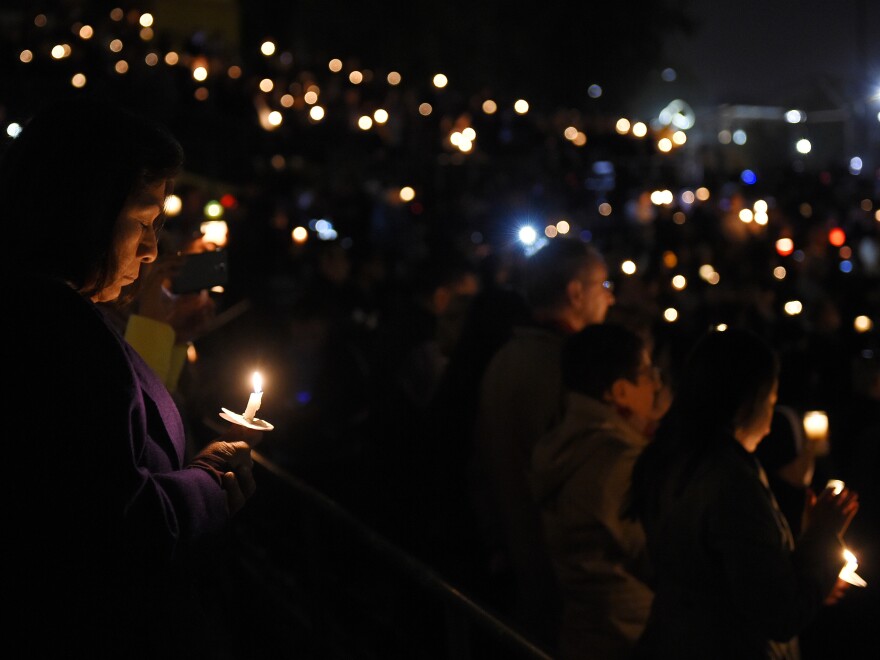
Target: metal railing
[{"x": 329, "y": 586}]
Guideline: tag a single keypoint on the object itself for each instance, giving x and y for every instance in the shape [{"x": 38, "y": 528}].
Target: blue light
[
  {"x": 303, "y": 396},
  {"x": 846, "y": 266},
  {"x": 748, "y": 177},
  {"x": 527, "y": 235}
]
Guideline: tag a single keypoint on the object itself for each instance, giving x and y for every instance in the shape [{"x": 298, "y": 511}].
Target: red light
[
  {"x": 784, "y": 246},
  {"x": 836, "y": 237},
  {"x": 228, "y": 201}
]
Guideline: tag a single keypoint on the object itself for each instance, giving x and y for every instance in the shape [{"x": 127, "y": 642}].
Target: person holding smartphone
[{"x": 107, "y": 520}]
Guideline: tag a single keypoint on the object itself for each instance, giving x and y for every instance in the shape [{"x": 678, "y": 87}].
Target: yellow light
[
  {"x": 86, "y": 32},
  {"x": 793, "y": 307},
  {"x": 670, "y": 260},
  {"x": 365, "y": 122},
  {"x": 862, "y": 324},
  {"x": 628, "y": 267},
  {"x": 702, "y": 194},
  {"x": 440, "y": 81},
  {"x": 563, "y": 227},
  {"x": 721, "y": 327},
  {"x": 215, "y": 232},
  {"x": 622, "y": 126},
  {"x": 200, "y": 73},
  {"x": 266, "y": 85},
  {"x": 679, "y": 282},
  {"x": 570, "y": 132},
  {"x": 760, "y": 206},
  {"x": 670, "y": 314},
  {"x": 299, "y": 235},
  {"x": 746, "y": 215},
  {"x": 490, "y": 107},
  {"x": 521, "y": 106},
  {"x": 761, "y": 218},
  {"x": 316, "y": 113},
  {"x": 407, "y": 194},
  {"x": 267, "y": 48},
  {"x": 146, "y": 20},
  {"x": 275, "y": 118},
  {"x": 173, "y": 205},
  {"x": 213, "y": 209},
  {"x": 639, "y": 129},
  {"x": 679, "y": 138},
  {"x": 380, "y": 115}
]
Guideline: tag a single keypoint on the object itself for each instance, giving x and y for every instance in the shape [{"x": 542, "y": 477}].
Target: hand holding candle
[{"x": 256, "y": 397}]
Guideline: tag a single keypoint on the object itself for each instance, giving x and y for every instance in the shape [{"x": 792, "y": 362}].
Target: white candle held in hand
[
  {"x": 848, "y": 572},
  {"x": 256, "y": 397}
]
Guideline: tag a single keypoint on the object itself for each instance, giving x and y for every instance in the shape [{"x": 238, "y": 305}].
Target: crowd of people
[{"x": 533, "y": 421}]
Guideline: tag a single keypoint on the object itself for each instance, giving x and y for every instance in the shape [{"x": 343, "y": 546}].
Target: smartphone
[{"x": 201, "y": 270}]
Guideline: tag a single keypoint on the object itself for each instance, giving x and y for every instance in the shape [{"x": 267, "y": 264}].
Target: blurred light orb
[
  {"x": 748, "y": 177},
  {"x": 121, "y": 67},
  {"x": 316, "y": 113},
  {"x": 863, "y": 324},
  {"x": 679, "y": 138},
  {"x": 355, "y": 77},
  {"x": 380, "y": 115},
  {"x": 393, "y": 78},
  {"x": 521, "y": 106},
  {"x": 803, "y": 146},
  {"x": 622, "y": 126},
  {"x": 779, "y": 272},
  {"x": 793, "y": 307},
  {"x": 664, "y": 145},
  {"x": 866, "y": 204},
  {"x": 26, "y": 56},
  {"x": 490, "y": 107},
  {"x": 836, "y": 236},
  {"x": 563, "y": 227},
  {"x": 784, "y": 247},
  {"x": 688, "y": 197},
  {"x": 761, "y": 218},
  {"x": 527, "y": 235},
  {"x": 639, "y": 129},
  {"x": 702, "y": 194},
  {"x": 570, "y": 132},
  {"x": 407, "y": 194},
  {"x": 173, "y": 205},
  {"x": 275, "y": 118},
  {"x": 706, "y": 271},
  {"x": 679, "y": 282},
  {"x": 213, "y": 209},
  {"x": 604, "y": 209},
  {"x": 335, "y": 65},
  {"x": 200, "y": 73},
  {"x": 365, "y": 122},
  {"x": 795, "y": 116},
  {"x": 86, "y": 32},
  {"x": 215, "y": 231},
  {"x": 550, "y": 231},
  {"x": 287, "y": 100},
  {"x": 440, "y": 81},
  {"x": 299, "y": 234},
  {"x": 267, "y": 48},
  {"x": 746, "y": 215},
  {"x": 670, "y": 315},
  {"x": 78, "y": 80},
  {"x": 670, "y": 259},
  {"x": 668, "y": 74},
  {"x": 724, "y": 136},
  {"x": 855, "y": 165},
  {"x": 721, "y": 327},
  {"x": 171, "y": 58},
  {"x": 628, "y": 267},
  {"x": 425, "y": 109},
  {"x": 310, "y": 97},
  {"x": 266, "y": 85},
  {"x": 679, "y": 217},
  {"x": 594, "y": 91},
  {"x": 739, "y": 137}
]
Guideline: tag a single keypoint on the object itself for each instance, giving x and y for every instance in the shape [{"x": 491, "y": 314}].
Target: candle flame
[
  {"x": 851, "y": 561},
  {"x": 257, "y": 381}
]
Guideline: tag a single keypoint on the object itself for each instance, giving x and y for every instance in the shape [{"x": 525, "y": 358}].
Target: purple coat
[{"x": 104, "y": 521}]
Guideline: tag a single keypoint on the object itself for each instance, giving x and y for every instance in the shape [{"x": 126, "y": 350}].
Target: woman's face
[
  {"x": 750, "y": 435},
  {"x": 134, "y": 240}
]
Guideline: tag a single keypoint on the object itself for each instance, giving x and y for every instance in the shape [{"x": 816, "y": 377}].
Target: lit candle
[
  {"x": 816, "y": 425},
  {"x": 256, "y": 396},
  {"x": 848, "y": 572},
  {"x": 836, "y": 486},
  {"x": 816, "y": 431}
]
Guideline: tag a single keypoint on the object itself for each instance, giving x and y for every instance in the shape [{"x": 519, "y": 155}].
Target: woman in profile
[{"x": 730, "y": 580}]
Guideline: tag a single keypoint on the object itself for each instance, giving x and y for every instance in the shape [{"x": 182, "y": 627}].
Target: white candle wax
[
  {"x": 848, "y": 572},
  {"x": 255, "y": 398}
]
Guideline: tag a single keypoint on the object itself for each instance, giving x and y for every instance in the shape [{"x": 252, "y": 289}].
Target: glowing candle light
[
  {"x": 848, "y": 572},
  {"x": 256, "y": 397},
  {"x": 836, "y": 486},
  {"x": 816, "y": 425}
]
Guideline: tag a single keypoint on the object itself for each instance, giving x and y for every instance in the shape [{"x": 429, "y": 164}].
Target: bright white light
[
  {"x": 528, "y": 235},
  {"x": 670, "y": 314},
  {"x": 855, "y": 165},
  {"x": 803, "y": 146},
  {"x": 739, "y": 136},
  {"x": 440, "y": 81},
  {"x": 521, "y": 106},
  {"x": 794, "y": 116},
  {"x": 793, "y": 307},
  {"x": 628, "y": 267},
  {"x": 13, "y": 130}
]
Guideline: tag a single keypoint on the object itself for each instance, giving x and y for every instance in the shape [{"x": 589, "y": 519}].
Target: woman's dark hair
[
  {"x": 726, "y": 379},
  {"x": 594, "y": 358},
  {"x": 65, "y": 179}
]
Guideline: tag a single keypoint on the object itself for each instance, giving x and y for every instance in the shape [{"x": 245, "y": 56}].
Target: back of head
[
  {"x": 66, "y": 177},
  {"x": 595, "y": 357},
  {"x": 549, "y": 270},
  {"x": 725, "y": 378}
]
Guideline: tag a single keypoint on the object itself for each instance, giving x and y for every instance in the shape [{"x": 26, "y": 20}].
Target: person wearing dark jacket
[{"x": 730, "y": 580}]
